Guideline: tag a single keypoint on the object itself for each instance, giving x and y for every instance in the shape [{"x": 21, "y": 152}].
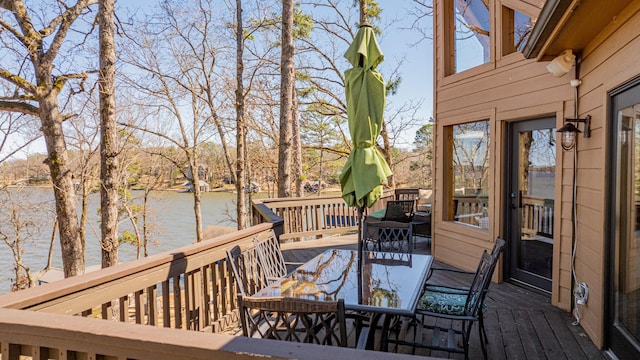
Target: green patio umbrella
[{"x": 365, "y": 171}]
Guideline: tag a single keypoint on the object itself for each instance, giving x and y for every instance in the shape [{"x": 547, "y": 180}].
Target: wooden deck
[{"x": 520, "y": 323}]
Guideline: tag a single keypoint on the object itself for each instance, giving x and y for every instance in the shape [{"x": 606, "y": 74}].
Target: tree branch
[
  {"x": 66, "y": 20},
  {"x": 19, "y": 107},
  {"x": 5, "y": 25},
  {"x": 18, "y": 81}
]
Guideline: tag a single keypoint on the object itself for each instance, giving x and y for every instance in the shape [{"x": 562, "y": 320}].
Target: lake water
[{"x": 169, "y": 213}]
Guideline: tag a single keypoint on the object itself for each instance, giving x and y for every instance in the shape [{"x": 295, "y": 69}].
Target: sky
[
  {"x": 417, "y": 68},
  {"x": 397, "y": 45}
]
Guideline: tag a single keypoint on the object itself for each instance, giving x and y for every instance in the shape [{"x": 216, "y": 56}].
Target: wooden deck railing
[
  {"x": 313, "y": 217},
  {"x": 187, "y": 288},
  {"x": 470, "y": 209},
  {"x": 33, "y": 335},
  {"x": 190, "y": 288},
  {"x": 537, "y": 216},
  {"x": 537, "y": 213}
]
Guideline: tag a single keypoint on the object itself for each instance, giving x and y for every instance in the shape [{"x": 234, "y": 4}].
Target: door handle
[{"x": 513, "y": 199}]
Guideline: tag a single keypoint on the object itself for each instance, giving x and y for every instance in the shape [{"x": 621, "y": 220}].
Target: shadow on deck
[{"x": 520, "y": 323}]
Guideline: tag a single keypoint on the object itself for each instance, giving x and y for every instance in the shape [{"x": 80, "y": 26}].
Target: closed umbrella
[{"x": 366, "y": 170}]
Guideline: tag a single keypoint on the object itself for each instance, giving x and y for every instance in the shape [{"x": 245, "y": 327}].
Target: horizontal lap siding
[
  {"x": 516, "y": 89},
  {"x": 519, "y": 90},
  {"x": 609, "y": 61}
]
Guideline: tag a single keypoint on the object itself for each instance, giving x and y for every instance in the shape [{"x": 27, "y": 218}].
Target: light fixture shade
[
  {"x": 568, "y": 132},
  {"x": 562, "y": 64}
]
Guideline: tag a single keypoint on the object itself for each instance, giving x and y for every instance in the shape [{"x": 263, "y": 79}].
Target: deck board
[{"x": 520, "y": 323}]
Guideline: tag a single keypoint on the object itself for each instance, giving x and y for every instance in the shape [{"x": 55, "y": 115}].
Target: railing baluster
[
  {"x": 152, "y": 310},
  {"x": 105, "y": 310},
  {"x": 188, "y": 306},
  {"x": 123, "y": 308},
  {"x": 177, "y": 303},
  {"x": 166, "y": 305}
]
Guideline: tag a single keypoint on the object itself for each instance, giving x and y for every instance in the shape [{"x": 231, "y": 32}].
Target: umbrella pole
[{"x": 360, "y": 251}]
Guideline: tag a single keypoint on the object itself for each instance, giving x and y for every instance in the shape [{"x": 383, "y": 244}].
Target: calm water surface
[{"x": 169, "y": 213}]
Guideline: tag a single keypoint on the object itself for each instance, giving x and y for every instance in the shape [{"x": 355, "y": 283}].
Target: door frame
[
  {"x": 511, "y": 223},
  {"x": 623, "y": 96}
]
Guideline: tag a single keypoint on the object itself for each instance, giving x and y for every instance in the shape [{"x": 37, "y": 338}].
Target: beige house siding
[
  {"x": 512, "y": 88},
  {"x": 608, "y": 61}
]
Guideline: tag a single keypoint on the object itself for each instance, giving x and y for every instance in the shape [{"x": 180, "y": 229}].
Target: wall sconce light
[
  {"x": 569, "y": 131},
  {"x": 562, "y": 64}
]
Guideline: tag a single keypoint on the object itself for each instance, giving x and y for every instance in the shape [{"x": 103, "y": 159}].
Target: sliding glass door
[{"x": 624, "y": 226}]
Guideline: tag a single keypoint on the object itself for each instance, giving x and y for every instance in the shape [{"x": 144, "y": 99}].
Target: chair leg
[
  {"x": 465, "y": 343},
  {"x": 483, "y": 336}
]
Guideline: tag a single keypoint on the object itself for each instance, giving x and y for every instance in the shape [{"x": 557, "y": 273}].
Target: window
[
  {"x": 516, "y": 28},
  {"x": 469, "y": 24},
  {"x": 469, "y": 172}
]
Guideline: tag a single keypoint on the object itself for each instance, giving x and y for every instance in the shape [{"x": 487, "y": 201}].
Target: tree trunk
[
  {"x": 85, "y": 191},
  {"x": 363, "y": 11},
  {"x": 241, "y": 127},
  {"x": 286, "y": 103},
  {"x": 295, "y": 138},
  {"x": 197, "y": 194},
  {"x": 145, "y": 228},
  {"x": 109, "y": 134},
  {"x": 62, "y": 180},
  {"x": 387, "y": 153}
]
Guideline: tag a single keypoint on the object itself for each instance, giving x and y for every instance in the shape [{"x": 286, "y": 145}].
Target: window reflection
[
  {"x": 471, "y": 23},
  {"x": 521, "y": 30},
  {"x": 628, "y": 216},
  {"x": 469, "y": 174},
  {"x": 516, "y": 28}
]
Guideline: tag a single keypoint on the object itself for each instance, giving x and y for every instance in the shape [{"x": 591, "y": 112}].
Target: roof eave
[{"x": 550, "y": 15}]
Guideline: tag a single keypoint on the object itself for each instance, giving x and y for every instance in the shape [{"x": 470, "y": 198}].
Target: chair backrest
[
  {"x": 390, "y": 236},
  {"x": 297, "y": 320},
  {"x": 480, "y": 284},
  {"x": 247, "y": 270},
  {"x": 498, "y": 246},
  {"x": 482, "y": 280},
  {"x": 270, "y": 256},
  {"x": 399, "y": 210}
]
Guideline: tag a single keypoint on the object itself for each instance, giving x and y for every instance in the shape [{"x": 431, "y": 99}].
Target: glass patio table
[{"x": 390, "y": 283}]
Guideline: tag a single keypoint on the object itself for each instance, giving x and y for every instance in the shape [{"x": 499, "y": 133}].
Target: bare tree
[
  {"x": 241, "y": 127},
  {"x": 18, "y": 229},
  {"x": 84, "y": 145},
  {"x": 176, "y": 57},
  {"x": 109, "y": 133},
  {"x": 286, "y": 101},
  {"x": 38, "y": 96}
]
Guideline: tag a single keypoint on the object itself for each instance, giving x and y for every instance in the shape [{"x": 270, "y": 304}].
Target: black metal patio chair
[
  {"x": 297, "y": 320},
  {"x": 461, "y": 306},
  {"x": 399, "y": 210},
  {"x": 247, "y": 270},
  {"x": 270, "y": 256},
  {"x": 389, "y": 236}
]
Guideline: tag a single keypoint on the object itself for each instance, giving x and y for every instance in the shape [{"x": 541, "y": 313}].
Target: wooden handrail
[{"x": 38, "y": 335}]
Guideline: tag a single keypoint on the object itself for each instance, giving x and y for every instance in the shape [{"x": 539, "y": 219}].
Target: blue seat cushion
[{"x": 443, "y": 300}]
